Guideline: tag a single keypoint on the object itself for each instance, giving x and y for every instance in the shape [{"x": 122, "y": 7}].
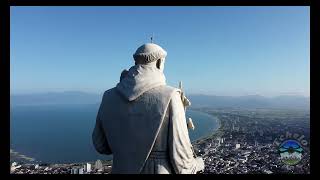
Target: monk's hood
[{"x": 140, "y": 79}]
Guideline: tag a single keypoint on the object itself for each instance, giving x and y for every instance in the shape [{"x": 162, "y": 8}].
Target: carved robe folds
[{"x": 142, "y": 123}]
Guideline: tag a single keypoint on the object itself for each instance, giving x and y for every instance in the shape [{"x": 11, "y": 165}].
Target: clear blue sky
[{"x": 213, "y": 50}]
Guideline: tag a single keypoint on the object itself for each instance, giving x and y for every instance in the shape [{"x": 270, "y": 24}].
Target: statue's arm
[
  {"x": 180, "y": 147},
  {"x": 99, "y": 138}
]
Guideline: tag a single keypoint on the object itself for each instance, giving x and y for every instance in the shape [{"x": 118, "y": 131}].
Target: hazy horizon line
[{"x": 191, "y": 93}]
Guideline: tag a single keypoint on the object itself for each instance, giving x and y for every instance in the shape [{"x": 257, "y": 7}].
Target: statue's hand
[
  {"x": 190, "y": 124},
  {"x": 185, "y": 101},
  {"x": 200, "y": 164}
]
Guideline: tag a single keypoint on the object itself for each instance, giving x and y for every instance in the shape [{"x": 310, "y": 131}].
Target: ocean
[{"x": 62, "y": 133}]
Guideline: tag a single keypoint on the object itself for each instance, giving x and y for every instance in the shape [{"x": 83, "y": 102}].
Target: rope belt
[{"x": 159, "y": 155}]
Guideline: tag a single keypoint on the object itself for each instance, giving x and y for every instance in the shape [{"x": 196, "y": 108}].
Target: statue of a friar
[{"x": 142, "y": 121}]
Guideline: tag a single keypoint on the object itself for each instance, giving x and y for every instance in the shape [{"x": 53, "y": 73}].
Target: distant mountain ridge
[
  {"x": 50, "y": 98},
  {"x": 197, "y": 100},
  {"x": 250, "y": 101}
]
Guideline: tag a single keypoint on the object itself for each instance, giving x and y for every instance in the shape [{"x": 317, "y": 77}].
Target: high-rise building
[
  {"x": 88, "y": 167},
  {"x": 237, "y": 146},
  {"x": 81, "y": 171},
  {"x": 75, "y": 170}
]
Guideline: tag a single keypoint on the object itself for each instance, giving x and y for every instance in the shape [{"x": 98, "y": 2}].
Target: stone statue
[{"x": 142, "y": 121}]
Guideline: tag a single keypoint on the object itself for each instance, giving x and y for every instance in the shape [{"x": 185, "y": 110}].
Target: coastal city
[
  {"x": 159, "y": 89},
  {"x": 247, "y": 142},
  {"x": 97, "y": 167}
]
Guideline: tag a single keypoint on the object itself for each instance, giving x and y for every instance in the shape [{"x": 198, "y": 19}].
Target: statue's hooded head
[
  {"x": 152, "y": 54},
  {"x": 146, "y": 74}
]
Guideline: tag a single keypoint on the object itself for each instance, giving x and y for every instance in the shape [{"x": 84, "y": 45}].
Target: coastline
[
  {"x": 197, "y": 141},
  {"x": 204, "y": 137},
  {"x": 210, "y": 135},
  {"x": 213, "y": 134},
  {"x": 241, "y": 144}
]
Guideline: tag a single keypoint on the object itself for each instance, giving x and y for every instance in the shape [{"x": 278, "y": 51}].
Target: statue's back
[{"x": 132, "y": 127}]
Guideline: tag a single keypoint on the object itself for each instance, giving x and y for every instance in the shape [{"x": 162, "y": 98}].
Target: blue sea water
[{"x": 62, "y": 133}]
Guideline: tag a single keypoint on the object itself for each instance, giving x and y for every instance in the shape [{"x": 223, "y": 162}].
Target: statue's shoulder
[
  {"x": 167, "y": 90},
  {"x": 109, "y": 93},
  {"x": 172, "y": 89}
]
